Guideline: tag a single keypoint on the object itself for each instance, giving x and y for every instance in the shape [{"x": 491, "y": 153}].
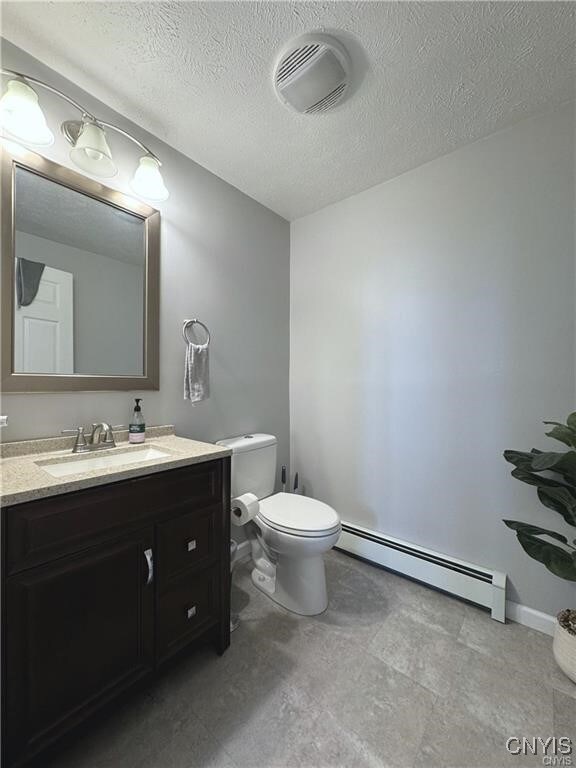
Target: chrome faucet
[
  {"x": 97, "y": 430},
  {"x": 93, "y": 442}
]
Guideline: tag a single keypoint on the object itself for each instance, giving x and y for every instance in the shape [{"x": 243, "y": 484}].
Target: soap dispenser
[{"x": 137, "y": 427}]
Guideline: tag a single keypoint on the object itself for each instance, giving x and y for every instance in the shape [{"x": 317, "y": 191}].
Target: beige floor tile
[
  {"x": 426, "y": 655},
  {"x": 331, "y": 746},
  {"x": 502, "y": 697},
  {"x": 384, "y": 708},
  {"x": 565, "y": 717},
  {"x": 431, "y": 607},
  {"x": 266, "y": 739},
  {"x": 456, "y": 739},
  {"x": 516, "y": 646}
]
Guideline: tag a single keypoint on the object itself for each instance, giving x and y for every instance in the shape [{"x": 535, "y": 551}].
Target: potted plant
[{"x": 554, "y": 476}]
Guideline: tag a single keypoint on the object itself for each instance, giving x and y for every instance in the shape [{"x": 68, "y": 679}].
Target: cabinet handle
[
  {"x": 191, "y": 545},
  {"x": 150, "y": 562},
  {"x": 191, "y": 612}
]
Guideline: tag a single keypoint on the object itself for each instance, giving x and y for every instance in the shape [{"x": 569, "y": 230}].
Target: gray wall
[
  {"x": 108, "y": 305},
  {"x": 432, "y": 326},
  {"x": 225, "y": 259}
]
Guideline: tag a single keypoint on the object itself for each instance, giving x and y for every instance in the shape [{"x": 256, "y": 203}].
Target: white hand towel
[{"x": 196, "y": 373}]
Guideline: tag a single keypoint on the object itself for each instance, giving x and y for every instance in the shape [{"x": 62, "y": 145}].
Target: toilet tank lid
[{"x": 248, "y": 442}]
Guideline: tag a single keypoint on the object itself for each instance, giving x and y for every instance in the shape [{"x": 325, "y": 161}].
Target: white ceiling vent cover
[{"x": 313, "y": 74}]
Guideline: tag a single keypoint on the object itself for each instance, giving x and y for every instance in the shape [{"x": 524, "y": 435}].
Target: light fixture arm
[
  {"x": 79, "y": 107},
  {"x": 127, "y": 135}
]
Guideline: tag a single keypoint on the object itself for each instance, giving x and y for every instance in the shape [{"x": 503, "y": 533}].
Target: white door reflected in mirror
[
  {"x": 44, "y": 329},
  {"x": 102, "y": 249}
]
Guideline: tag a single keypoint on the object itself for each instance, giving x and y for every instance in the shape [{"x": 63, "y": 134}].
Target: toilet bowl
[{"x": 289, "y": 535}]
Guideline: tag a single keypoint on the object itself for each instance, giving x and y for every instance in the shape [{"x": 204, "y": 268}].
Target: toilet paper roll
[{"x": 244, "y": 508}]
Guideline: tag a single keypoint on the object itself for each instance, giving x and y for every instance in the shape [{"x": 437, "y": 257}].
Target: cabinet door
[{"x": 78, "y": 631}]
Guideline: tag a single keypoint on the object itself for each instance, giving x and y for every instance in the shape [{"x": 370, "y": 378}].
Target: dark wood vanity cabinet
[{"x": 100, "y": 587}]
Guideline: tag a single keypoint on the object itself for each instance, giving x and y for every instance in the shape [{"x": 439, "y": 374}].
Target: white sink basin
[{"x": 88, "y": 462}]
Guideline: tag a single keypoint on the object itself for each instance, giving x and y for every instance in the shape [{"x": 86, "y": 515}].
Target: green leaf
[
  {"x": 554, "y": 558},
  {"x": 531, "y": 478},
  {"x": 563, "y": 434},
  {"x": 555, "y": 492},
  {"x": 561, "y": 463},
  {"x": 519, "y": 458},
  {"x": 534, "y": 530},
  {"x": 561, "y": 500},
  {"x": 547, "y": 460}
]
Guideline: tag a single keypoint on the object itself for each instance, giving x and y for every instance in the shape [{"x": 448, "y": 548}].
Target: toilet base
[
  {"x": 295, "y": 583},
  {"x": 264, "y": 581}
]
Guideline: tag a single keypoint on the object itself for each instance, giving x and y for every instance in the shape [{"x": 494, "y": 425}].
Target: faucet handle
[
  {"x": 80, "y": 443},
  {"x": 109, "y": 433},
  {"x": 75, "y": 431}
]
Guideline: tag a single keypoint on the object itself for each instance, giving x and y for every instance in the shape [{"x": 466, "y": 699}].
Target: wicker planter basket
[{"x": 564, "y": 648}]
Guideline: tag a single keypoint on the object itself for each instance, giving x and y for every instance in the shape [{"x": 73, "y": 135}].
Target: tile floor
[{"x": 393, "y": 674}]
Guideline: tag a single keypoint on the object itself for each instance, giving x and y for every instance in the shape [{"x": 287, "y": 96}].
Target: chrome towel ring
[{"x": 188, "y": 324}]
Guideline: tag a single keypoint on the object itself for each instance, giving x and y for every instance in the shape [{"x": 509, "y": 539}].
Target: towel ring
[{"x": 187, "y": 324}]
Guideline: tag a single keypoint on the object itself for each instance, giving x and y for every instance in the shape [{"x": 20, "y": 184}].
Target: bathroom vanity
[{"x": 107, "y": 574}]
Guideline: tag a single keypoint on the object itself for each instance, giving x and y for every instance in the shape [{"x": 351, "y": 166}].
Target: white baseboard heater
[{"x": 471, "y": 582}]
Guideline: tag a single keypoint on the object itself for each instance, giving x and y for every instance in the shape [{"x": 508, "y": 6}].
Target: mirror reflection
[{"x": 80, "y": 268}]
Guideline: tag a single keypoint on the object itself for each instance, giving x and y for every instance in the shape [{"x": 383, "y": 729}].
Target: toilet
[{"x": 290, "y": 533}]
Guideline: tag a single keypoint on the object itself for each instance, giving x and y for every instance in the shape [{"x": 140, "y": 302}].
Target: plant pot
[{"x": 564, "y": 649}]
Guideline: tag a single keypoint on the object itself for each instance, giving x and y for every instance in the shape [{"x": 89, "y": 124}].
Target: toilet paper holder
[{"x": 243, "y": 509}]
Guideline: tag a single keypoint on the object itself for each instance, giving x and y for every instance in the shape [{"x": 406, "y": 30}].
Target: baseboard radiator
[{"x": 471, "y": 582}]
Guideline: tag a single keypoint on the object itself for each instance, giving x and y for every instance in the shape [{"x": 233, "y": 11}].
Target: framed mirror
[{"x": 80, "y": 282}]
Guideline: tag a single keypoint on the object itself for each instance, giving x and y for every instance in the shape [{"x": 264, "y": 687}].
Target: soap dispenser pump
[{"x": 137, "y": 428}]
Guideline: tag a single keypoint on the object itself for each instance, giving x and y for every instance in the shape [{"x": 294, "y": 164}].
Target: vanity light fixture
[
  {"x": 22, "y": 120},
  {"x": 91, "y": 152},
  {"x": 147, "y": 181},
  {"x": 22, "y": 117}
]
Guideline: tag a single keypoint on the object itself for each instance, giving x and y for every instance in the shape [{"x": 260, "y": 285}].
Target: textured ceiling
[
  {"x": 55, "y": 212},
  {"x": 432, "y": 76}
]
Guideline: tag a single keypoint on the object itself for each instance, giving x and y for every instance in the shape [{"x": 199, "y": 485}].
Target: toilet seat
[{"x": 299, "y": 515}]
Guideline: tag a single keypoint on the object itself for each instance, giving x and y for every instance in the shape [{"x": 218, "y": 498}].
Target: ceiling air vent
[{"x": 312, "y": 74}]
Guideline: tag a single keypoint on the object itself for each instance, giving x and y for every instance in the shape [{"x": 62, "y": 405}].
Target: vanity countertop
[{"x": 24, "y": 479}]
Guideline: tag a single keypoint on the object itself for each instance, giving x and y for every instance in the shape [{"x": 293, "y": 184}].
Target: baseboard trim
[
  {"x": 368, "y": 546},
  {"x": 449, "y": 574},
  {"x": 530, "y": 617}
]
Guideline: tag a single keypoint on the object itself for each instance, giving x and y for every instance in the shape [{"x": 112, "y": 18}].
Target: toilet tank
[{"x": 253, "y": 464}]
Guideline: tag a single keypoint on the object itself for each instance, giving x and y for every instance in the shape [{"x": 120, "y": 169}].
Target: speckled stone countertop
[{"x": 23, "y": 479}]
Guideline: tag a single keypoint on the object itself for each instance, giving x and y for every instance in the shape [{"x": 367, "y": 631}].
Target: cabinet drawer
[
  {"x": 186, "y": 609},
  {"x": 187, "y": 541},
  {"x": 40, "y": 531}
]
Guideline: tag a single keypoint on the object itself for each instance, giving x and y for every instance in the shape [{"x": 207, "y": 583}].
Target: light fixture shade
[
  {"x": 91, "y": 152},
  {"x": 22, "y": 117},
  {"x": 148, "y": 182}
]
